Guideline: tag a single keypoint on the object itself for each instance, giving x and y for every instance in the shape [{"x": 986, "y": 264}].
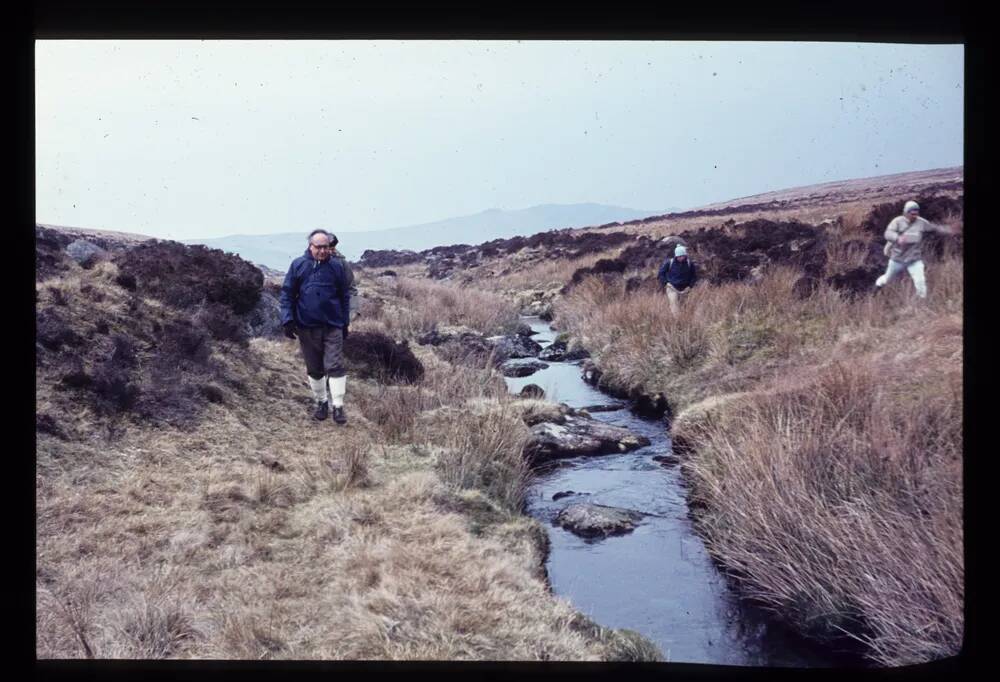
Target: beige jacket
[{"x": 909, "y": 250}]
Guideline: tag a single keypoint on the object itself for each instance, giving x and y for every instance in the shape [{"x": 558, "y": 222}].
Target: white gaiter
[
  {"x": 338, "y": 387},
  {"x": 318, "y": 387}
]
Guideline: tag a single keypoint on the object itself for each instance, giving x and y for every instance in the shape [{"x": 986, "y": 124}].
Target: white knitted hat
[{"x": 911, "y": 205}]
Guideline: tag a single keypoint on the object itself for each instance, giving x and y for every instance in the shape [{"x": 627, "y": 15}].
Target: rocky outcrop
[
  {"x": 579, "y": 435},
  {"x": 597, "y": 520},
  {"x": 265, "y": 318},
  {"x": 86, "y": 254}
]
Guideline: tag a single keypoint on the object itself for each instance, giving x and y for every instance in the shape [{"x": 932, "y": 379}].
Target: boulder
[
  {"x": 579, "y": 435},
  {"x": 554, "y": 352},
  {"x": 597, "y": 520},
  {"x": 265, "y": 318},
  {"x": 525, "y": 330},
  {"x": 521, "y": 368},
  {"x": 513, "y": 346},
  {"x": 532, "y": 391},
  {"x": 85, "y": 253}
]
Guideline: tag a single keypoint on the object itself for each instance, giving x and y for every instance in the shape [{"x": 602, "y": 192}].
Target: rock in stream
[
  {"x": 579, "y": 435},
  {"x": 596, "y": 520}
]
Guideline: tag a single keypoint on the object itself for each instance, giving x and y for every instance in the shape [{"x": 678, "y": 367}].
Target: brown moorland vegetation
[
  {"x": 820, "y": 423},
  {"x": 187, "y": 507},
  {"x": 822, "y": 435}
]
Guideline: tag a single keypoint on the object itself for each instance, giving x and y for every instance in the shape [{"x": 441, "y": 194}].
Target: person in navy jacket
[
  {"x": 676, "y": 275},
  {"x": 315, "y": 307}
]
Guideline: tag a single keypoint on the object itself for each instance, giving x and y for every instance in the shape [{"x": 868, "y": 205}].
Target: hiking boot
[
  {"x": 338, "y": 415},
  {"x": 322, "y": 411}
]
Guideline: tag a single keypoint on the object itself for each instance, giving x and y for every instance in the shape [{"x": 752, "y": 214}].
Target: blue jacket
[
  {"x": 679, "y": 275},
  {"x": 316, "y": 293}
]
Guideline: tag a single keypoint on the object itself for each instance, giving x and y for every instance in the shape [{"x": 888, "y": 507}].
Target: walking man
[
  {"x": 315, "y": 306},
  {"x": 904, "y": 235},
  {"x": 676, "y": 276}
]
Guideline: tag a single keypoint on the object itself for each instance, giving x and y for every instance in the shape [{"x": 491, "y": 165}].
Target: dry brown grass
[
  {"x": 830, "y": 481},
  {"x": 425, "y": 303},
  {"x": 260, "y": 534},
  {"x": 836, "y": 496},
  {"x": 193, "y": 544}
]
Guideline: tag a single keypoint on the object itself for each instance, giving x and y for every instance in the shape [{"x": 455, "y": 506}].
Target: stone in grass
[
  {"x": 596, "y": 520},
  {"x": 85, "y": 253}
]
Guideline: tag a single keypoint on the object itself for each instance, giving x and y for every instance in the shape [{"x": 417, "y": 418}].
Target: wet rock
[
  {"x": 667, "y": 460},
  {"x": 606, "y": 407},
  {"x": 596, "y": 520},
  {"x": 525, "y": 330},
  {"x": 85, "y": 253},
  {"x": 554, "y": 352},
  {"x": 532, "y": 391},
  {"x": 513, "y": 347},
  {"x": 579, "y": 435},
  {"x": 564, "y": 493},
  {"x": 521, "y": 368}
]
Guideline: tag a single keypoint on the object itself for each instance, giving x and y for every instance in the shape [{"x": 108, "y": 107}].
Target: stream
[{"x": 657, "y": 580}]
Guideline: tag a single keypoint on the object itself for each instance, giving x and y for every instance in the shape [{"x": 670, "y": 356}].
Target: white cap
[
  {"x": 680, "y": 251},
  {"x": 910, "y": 206}
]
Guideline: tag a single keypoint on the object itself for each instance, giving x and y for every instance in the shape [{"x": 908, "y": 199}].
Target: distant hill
[{"x": 277, "y": 250}]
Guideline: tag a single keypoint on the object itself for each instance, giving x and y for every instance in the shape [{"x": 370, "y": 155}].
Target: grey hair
[{"x": 331, "y": 237}]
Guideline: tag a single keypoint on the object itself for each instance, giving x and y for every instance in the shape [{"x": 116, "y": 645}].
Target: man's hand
[{"x": 289, "y": 328}]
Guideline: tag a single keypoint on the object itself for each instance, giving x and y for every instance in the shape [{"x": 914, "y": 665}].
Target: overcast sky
[{"x": 197, "y": 139}]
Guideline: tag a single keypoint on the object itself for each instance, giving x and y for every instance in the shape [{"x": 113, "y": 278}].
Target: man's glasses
[{"x": 320, "y": 247}]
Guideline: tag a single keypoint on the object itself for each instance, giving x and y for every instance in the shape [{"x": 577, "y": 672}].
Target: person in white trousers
[{"x": 905, "y": 236}]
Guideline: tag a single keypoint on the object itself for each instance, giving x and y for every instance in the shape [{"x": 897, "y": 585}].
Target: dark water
[{"x": 657, "y": 580}]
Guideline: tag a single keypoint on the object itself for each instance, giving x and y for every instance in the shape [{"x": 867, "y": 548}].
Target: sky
[{"x": 189, "y": 139}]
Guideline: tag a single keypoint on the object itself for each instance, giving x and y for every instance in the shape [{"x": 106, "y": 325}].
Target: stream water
[{"x": 657, "y": 580}]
